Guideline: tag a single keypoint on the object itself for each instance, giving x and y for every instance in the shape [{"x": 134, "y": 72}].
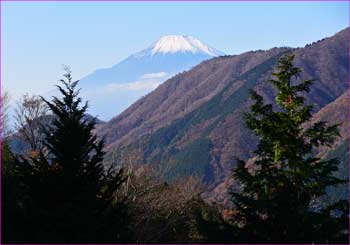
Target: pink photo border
[{"x": 218, "y": 1}]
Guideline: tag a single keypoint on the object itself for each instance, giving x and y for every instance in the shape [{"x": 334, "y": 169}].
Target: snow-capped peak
[{"x": 179, "y": 43}]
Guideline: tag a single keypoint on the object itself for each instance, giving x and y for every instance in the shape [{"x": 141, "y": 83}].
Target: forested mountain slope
[{"x": 192, "y": 124}]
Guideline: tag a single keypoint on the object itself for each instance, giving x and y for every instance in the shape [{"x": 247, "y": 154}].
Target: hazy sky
[{"x": 37, "y": 37}]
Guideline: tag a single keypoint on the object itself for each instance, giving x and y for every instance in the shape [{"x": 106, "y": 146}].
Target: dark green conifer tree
[
  {"x": 68, "y": 196},
  {"x": 277, "y": 201},
  {"x": 11, "y": 218}
]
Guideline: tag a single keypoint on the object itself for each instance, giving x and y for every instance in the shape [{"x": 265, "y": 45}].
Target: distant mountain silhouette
[{"x": 113, "y": 89}]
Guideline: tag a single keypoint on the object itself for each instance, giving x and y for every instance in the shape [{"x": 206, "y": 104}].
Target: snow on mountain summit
[
  {"x": 179, "y": 43},
  {"x": 138, "y": 74}
]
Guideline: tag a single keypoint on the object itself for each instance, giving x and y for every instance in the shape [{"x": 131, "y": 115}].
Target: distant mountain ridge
[
  {"x": 111, "y": 90},
  {"x": 170, "y": 54},
  {"x": 192, "y": 125}
]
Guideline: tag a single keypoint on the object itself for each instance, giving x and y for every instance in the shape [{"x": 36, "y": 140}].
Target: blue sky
[{"x": 38, "y": 37}]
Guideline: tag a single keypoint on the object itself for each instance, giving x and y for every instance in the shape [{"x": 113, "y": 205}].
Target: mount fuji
[{"x": 140, "y": 73}]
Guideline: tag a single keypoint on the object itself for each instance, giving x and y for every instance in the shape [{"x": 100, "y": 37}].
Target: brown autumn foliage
[{"x": 162, "y": 212}]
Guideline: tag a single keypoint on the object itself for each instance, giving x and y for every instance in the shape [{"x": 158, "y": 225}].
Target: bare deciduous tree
[
  {"x": 4, "y": 125},
  {"x": 157, "y": 208},
  {"x": 29, "y": 117}
]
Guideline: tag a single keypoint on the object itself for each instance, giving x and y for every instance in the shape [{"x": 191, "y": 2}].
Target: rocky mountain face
[{"x": 192, "y": 124}]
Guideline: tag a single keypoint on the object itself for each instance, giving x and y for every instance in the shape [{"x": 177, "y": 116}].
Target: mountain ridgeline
[
  {"x": 111, "y": 90},
  {"x": 192, "y": 124},
  {"x": 170, "y": 54}
]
